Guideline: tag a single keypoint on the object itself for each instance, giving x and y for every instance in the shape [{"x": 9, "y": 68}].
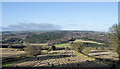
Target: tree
[
  {"x": 9, "y": 44},
  {"x": 78, "y": 46},
  {"x": 114, "y": 36},
  {"x": 52, "y": 48},
  {"x": 33, "y": 50}
]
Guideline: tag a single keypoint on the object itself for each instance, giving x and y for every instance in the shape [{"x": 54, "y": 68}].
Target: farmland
[
  {"x": 104, "y": 54},
  {"x": 89, "y": 42},
  {"x": 63, "y": 50},
  {"x": 10, "y": 52},
  {"x": 61, "y": 60},
  {"x": 63, "y": 45}
]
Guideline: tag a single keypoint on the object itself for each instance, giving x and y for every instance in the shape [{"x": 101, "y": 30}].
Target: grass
[
  {"x": 10, "y": 64},
  {"x": 44, "y": 51},
  {"x": 63, "y": 45},
  {"x": 89, "y": 42},
  {"x": 84, "y": 56},
  {"x": 87, "y": 51},
  {"x": 6, "y": 52},
  {"x": 15, "y": 62},
  {"x": 38, "y": 44}
]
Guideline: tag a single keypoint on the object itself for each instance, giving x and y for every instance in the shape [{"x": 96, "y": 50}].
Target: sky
[{"x": 90, "y": 16}]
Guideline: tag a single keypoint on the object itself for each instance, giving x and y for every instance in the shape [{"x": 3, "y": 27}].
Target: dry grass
[{"x": 7, "y": 52}]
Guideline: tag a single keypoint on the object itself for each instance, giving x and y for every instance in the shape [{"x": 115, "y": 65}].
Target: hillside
[{"x": 53, "y": 37}]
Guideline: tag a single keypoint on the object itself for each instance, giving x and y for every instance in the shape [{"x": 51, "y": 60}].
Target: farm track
[{"x": 64, "y": 60}]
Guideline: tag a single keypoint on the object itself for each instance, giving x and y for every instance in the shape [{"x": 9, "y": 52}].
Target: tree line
[{"x": 44, "y": 37}]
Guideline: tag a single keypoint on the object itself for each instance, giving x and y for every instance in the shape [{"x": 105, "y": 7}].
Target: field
[
  {"x": 35, "y": 44},
  {"x": 63, "y": 45},
  {"x": 64, "y": 59},
  {"x": 56, "y": 51},
  {"x": 104, "y": 54},
  {"x": 80, "y": 40},
  {"x": 7, "y": 52}
]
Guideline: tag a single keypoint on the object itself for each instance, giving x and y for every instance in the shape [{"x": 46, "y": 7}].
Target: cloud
[
  {"x": 31, "y": 26},
  {"x": 70, "y": 20},
  {"x": 72, "y": 25}
]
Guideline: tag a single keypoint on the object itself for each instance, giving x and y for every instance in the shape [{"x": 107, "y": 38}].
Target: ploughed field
[{"x": 58, "y": 58}]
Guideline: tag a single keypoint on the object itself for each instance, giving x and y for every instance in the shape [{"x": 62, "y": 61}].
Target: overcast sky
[{"x": 94, "y": 16}]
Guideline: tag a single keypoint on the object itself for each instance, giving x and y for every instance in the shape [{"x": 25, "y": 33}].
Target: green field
[{"x": 63, "y": 45}]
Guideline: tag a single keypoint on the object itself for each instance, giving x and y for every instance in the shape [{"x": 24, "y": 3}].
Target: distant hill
[{"x": 55, "y": 37}]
